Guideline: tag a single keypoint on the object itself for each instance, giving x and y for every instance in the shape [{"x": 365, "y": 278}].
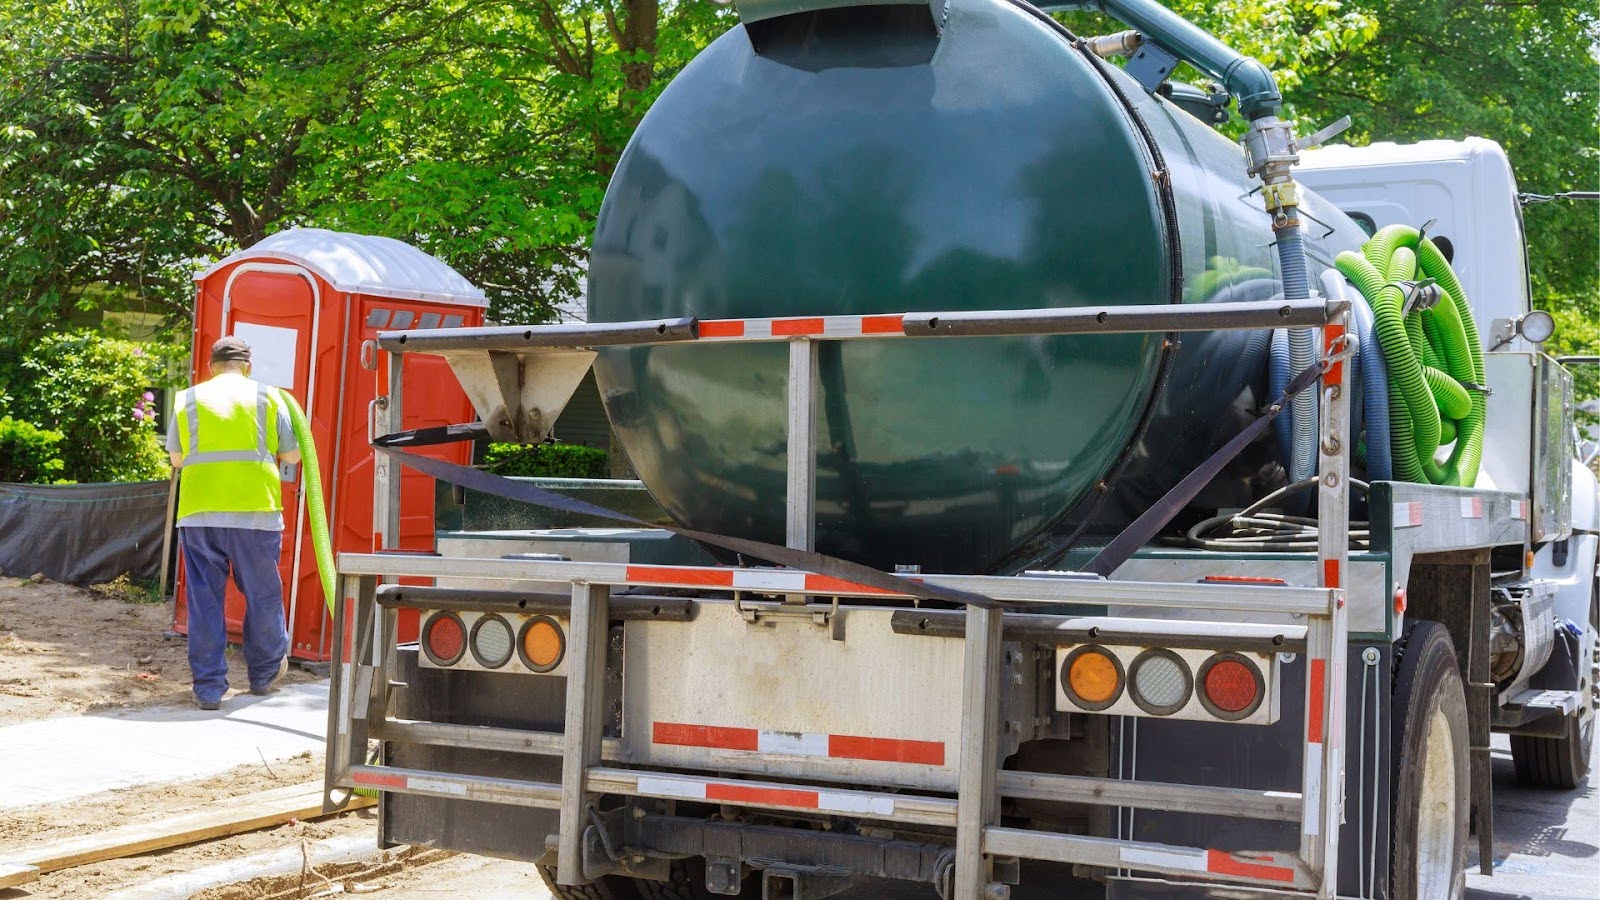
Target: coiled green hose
[
  {"x": 311, "y": 474},
  {"x": 1434, "y": 357}
]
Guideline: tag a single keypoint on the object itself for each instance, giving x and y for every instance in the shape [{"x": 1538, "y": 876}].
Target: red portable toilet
[{"x": 305, "y": 300}]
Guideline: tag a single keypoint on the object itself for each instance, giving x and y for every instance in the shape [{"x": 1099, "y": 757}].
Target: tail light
[
  {"x": 444, "y": 638},
  {"x": 1231, "y": 686},
  {"x": 1193, "y": 683},
  {"x": 1092, "y": 677},
  {"x": 542, "y": 644},
  {"x": 492, "y": 642},
  {"x": 1160, "y": 682}
]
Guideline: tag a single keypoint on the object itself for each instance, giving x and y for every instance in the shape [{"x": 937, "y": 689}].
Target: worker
[{"x": 228, "y": 436}]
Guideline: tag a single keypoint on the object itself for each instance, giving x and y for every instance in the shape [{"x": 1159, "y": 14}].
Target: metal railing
[{"x": 365, "y": 658}]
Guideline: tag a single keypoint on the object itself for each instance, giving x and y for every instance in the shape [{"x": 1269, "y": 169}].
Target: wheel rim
[{"x": 1436, "y": 818}]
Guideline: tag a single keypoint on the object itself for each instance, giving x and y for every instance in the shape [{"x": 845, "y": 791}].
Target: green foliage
[
  {"x": 95, "y": 391},
  {"x": 143, "y": 137},
  {"x": 549, "y": 460},
  {"x": 28, "y": 454}
]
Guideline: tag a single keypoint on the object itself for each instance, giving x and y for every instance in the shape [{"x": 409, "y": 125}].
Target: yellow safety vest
[{"x": 229, "y": 429}]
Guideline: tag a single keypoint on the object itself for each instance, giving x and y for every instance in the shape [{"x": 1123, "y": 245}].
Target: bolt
[{"x": 1370, "y": 656}]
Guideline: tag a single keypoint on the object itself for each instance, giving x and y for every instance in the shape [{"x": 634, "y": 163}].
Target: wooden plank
[
  {"x": 13, "y": 874},
  {"x": 220, "y": 818}
]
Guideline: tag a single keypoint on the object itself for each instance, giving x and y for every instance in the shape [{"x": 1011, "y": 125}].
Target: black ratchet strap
[
  {"x": 1149, "y": 524},
  {"x": 511, "y": 489}
]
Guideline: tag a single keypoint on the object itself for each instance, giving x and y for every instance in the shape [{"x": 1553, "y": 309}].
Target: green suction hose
[
  {"x": 321, "y": 542},
  {"x": 1434, "y": 357}
]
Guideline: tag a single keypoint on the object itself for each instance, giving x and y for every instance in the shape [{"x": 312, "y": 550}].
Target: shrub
[
  {"x": 29, "y": 454},
  {"x": 95, "y": 391},
  {"x": 550, "y": 460}
]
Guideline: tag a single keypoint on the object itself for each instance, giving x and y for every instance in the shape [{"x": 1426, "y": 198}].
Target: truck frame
[{"x": 621, "y": 796}]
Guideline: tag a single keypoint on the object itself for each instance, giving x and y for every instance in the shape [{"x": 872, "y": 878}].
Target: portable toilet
[{"x": 306, "y": 300}]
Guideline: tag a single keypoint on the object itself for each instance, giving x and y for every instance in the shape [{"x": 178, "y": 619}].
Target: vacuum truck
[{"x": 1059, "y": 498}]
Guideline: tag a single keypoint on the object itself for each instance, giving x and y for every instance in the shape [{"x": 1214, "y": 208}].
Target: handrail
[{"x": 1308, "y": 313}]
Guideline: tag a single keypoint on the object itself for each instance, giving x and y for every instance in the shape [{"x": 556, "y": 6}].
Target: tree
[{"x": 146, "y": 138}]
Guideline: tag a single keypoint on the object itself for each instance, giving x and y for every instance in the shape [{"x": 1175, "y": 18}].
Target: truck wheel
[
  {"x": 610, "y": 887},
  {"x": 1559, "y": 762},
  {"x": 1431, "y": 785},
  {"x": 687, "y": 882},
  {"x": 1562, "y": 762}
]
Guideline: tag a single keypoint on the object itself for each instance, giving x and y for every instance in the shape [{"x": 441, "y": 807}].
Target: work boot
[
  {"x": 210, "y": 705},
  {"x": 263, "y": 690}
]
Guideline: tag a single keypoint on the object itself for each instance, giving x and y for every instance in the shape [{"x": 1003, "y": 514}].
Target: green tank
[{"x": 879, "y": 159}]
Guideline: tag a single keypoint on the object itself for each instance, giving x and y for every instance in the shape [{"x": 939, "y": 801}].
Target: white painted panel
[{"x": 273, "y": 352}]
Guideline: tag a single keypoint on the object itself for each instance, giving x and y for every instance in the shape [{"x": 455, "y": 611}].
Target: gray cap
[{"x": 230, "y": 349}]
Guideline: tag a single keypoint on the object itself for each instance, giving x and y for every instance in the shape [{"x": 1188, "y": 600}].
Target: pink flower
[
  {"x": 138, "y": 413},
  {"x": 149, "y": 397}
]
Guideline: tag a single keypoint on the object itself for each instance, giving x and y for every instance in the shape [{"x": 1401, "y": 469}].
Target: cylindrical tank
[{"x": 872, "y": 160}]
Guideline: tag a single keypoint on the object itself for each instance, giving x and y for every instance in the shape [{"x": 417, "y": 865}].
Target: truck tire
[
  {"x": 1431, "y": 795},
  {"x": 687, "y": 882},
  {"x": 1558, "y": 762},
  {"x": 610, "y": 887},
  {"x": 1562, "y": 762}
]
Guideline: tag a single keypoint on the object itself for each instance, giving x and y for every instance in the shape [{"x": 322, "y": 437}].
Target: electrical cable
[{"x": 1252, "y": 528}]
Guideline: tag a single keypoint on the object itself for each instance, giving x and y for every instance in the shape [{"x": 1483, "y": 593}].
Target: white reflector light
[
  {"x": 1161, "y": 682},
  {"x": 492, "y": 642}
]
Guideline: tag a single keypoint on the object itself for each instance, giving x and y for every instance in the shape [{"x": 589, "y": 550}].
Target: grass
[{"x": 127, "y": 590}]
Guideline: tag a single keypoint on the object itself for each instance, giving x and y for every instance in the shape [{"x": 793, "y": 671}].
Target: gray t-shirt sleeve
[
  {"x": 173, "y": 446},
  {"x": 286, "y": 438}
]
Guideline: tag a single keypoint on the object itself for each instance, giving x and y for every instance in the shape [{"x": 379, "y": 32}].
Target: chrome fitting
[
  {"x": 1123, "y": 43},
  {"x": 1269, "y": 149}
]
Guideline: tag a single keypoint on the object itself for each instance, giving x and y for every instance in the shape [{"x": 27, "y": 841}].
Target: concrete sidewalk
[{"x": 53, "y": 760}]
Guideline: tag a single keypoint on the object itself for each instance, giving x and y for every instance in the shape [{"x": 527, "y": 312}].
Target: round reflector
[
  {"x": 542, "y": 644},
  {"x": 1231, "y": 686},
  {"x": 1092, "y": 677},
  {"x": 1161, "y": 682},
  {"x": 444, "y": 639},
  {"x": 491, "y": 642}
]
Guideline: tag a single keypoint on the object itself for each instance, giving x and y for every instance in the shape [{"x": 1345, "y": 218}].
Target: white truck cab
[{"x": 1466, "y": 190}]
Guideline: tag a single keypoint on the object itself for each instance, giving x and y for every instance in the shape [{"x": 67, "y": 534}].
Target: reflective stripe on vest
[
  {"x": 191, "y": 412},
  {"x": 231, "y": 462}
]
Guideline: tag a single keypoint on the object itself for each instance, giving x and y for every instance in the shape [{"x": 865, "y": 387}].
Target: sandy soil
[
  {"x": 43, "y": 824},
  {"x": 67, "y": 650}
]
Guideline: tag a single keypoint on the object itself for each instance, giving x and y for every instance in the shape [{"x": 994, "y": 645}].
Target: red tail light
[
  {"x": 1231, "y": 686},
  {"x": 444, "y": 639}
]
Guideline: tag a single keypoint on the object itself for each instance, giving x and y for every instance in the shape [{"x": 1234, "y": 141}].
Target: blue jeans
[{"x": 207, "y": 553}]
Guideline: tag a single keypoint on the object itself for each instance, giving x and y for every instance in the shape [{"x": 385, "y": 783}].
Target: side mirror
[{"x": 1536, "y": 326}]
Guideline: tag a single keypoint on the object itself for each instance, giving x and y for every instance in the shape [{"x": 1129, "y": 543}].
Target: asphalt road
[{"x": 1547, "y": 847}]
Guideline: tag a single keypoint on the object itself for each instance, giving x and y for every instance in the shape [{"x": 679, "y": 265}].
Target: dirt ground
[
  {"x": 43, "y": 824},
  {"x": 67, "y": 650}
]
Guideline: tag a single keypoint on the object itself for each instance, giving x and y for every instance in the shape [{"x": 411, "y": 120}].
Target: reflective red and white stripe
[
  {"x": 1471, "y": 507},
  {"x": 833, "y": 327},
  {"x": 1407, "y": 515},
  {"x": 773, "y": 580},
  {"x": 681, "y": 787},
  {"x": 1519, "y": 510},
  {"x": 1257, "y": 866},
  {"x": 799, "y": 743},
  {"x": 392, "y": 782}
]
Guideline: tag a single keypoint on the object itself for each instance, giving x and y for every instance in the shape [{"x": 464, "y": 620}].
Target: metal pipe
[
  {"x": 1122, "y": 43},
  {"x": 520, "y": 337},
  {"x": 1250, "y": 82},
  {"x": 1304, "y": 313}
]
